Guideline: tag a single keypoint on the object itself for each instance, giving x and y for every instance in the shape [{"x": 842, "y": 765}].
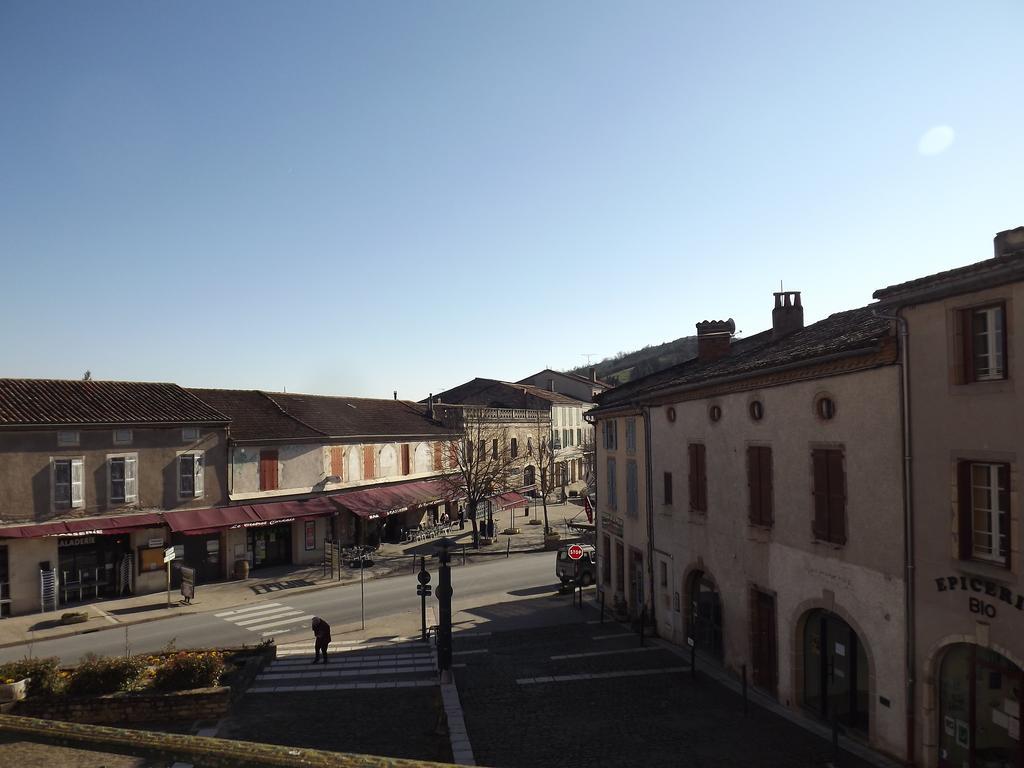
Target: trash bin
[{"x": 241, "y": 569}]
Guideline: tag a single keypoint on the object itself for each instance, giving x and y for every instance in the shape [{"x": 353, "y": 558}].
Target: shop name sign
[
  {"x": 93, "y": 532},
  {"x": 258, "y": 523},
  {"x": 981, "y": 587}
]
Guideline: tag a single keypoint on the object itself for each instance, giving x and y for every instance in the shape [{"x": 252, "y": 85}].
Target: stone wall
[{"x": 119, "y": 708}]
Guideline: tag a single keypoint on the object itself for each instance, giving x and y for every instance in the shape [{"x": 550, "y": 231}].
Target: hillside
[{"x": 625, "y": 366}]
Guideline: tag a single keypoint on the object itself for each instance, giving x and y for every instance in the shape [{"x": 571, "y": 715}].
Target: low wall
[{"x": 118, "y": 708}]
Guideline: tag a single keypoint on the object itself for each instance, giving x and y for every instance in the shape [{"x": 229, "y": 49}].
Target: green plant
[
  {"x": 97, "y": 675},
  {"x": 189, "y": 669},
  {"x": 77, "y": 617},
  {"x": 44, "y": 675}
]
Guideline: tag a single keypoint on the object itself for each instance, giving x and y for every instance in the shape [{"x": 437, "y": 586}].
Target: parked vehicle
[{"x": 582, "y": 571}]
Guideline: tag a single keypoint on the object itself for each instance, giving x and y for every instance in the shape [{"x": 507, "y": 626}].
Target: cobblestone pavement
[
  {"x": 380, "y": 700},
  {"x": 605, "y": 701}
]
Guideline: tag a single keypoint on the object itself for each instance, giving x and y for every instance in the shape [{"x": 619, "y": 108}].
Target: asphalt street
[{"x": 474, "y": 585}]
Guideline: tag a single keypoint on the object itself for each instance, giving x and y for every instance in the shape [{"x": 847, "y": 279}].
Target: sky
[{"x": 362, "y": 197}]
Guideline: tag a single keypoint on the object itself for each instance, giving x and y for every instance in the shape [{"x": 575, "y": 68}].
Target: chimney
[
  {"x": 551, "y": 385},
  {"x": 713, "y": 338},
  {"x": 396, "y": 394},
  {"x": 593, "y": 373},
  {"x": 1009, "y": 242},
  {"x": 430, "y": 406},
  {"x": 788, "y": 315}
]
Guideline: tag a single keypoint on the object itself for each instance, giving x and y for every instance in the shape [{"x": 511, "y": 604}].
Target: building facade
[
  {"x": 751, "y": 504},
  {"x": 86, "y": 469},
  {"x": 963, "y": 334}
]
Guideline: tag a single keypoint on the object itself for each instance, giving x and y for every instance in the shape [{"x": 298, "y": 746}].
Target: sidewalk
[{"x": 390, "y": 559}]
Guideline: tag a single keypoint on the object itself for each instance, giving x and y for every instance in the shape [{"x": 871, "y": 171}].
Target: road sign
[
  {"x": 169, "y": 554},
  {"x": 423, "y": 590},
  {"x": 188, "y": 583},
  {"x": 575, "y": 552},
  {"x": 424, "y": 577}
]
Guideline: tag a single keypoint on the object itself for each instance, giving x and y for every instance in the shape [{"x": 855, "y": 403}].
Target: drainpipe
[
  {"x": 650, "y": 510},
  {"x": 908, "y": 529}
]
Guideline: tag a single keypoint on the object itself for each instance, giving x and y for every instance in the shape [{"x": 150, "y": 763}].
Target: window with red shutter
[
  {"x": 368, "y": 462},
  {"x": 438, "y": 455},
  {"x": 268, "y": 470},
  {"x": 759, "y": 483},
  {"x": 698, "y": 478},
  {"x": 336, "y": 460},
  {"x": 829, "y": 496},
  {"x": 405, "y": 458}
]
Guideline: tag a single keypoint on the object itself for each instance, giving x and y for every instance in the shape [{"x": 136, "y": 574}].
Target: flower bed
[{"x": 173, "y": 685}]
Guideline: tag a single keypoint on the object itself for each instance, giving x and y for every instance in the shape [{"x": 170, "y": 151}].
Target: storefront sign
[
  {"x": 261, "y": 523},
  {"x": 310, "y": 535},
  {"x": 75, "y": 541},
  {"x": 981, "y": 586},
  {"x": 79, "y": 534},
  {"x": 612, "y": 525},
  {"x": 157, "y": 542},
  {"x": 188, "y": 583}
]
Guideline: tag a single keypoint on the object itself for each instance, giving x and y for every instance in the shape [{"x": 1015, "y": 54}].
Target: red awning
[
  {"x": 195, "y": 522},
  {"x": 389, "y": 500},
  {"x": 84, "y": 526},
  {"x": 510, "y": 499}
]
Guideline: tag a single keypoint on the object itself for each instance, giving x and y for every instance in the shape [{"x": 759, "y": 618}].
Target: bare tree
[
  {"x": 542, "y": 455},
  {"x": 482, "y": 463}
]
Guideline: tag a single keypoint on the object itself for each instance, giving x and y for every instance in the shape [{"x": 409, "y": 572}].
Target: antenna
[{"x": 588, "y": 355}]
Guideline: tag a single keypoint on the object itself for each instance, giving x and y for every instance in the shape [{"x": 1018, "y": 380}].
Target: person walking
[{"x": 322, "y": 636}]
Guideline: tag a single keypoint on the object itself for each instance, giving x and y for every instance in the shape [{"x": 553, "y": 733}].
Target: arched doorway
[
  {"x": 529, "y": 476},
  {"x": 704, "y": 616},
  {"x": 835, "y": 670},
  {"x": 979, "y": 709}
]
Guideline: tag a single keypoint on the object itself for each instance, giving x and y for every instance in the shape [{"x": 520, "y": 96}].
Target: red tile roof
[
  {"x": 492, "y": 393},
  {"x": 48, "y": 402}
]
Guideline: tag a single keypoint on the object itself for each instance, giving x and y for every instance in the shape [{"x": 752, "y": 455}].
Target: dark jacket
[{"x": 321, "y": 629}]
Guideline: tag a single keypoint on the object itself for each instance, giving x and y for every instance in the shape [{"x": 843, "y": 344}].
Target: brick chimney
[
  {"x": 713, "y": 338},
  {"x": 430, "y": 406},
  {"x": 1009, "y": 242},
  {"x": 788, "y": 315}
]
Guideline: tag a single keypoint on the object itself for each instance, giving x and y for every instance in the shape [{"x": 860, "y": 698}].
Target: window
[
  {"x": 566, "y": 437},
  {"x": 513, "y": 447},
  {"x": 715, "y": 412},
  {"x": 67, "y": 439},
  {"x": 610, "y": 430},
  {"x": 983, "y": 332},
  {"x": 829, "y": 495},
  {"x": 632, "y": 505},
  {"x": 268, "y": 470},
  {"x": 123, "y": 479},
  {"x": 369, "y": 466},
  {"x": 630, "y": 435},
  {"x": 122, "y": 437},
  {"x": 612, "y": 501},
  {"x": 698, "y": 478},
  {"x": 67, "y": 483},
  {"x": 664, "y": 573},
  {"x": 668, "y": 488},
  {"x": 189, "y": 434},
  {"x": 190, "y": 475},
  {"x": 529, "y": 446},
  {"x": 405, "y": 459},
  {"x": 984, "y": 511},
  {"x": 337, "y": 460},
  {"x": 759, "y": 484},
  {"x": 757, "y": 410},
  {"x": 494, "y": 448},
  {"x": 825, "y": 408},
  {"x": 579, "y": 436}
]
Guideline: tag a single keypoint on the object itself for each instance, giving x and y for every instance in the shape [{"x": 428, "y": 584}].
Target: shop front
[
  {"x": 93, "y": 565},
  {"x": 269, "y": 544}
]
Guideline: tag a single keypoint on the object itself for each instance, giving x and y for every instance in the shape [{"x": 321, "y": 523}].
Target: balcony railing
[{"x": 458, "y": 415}]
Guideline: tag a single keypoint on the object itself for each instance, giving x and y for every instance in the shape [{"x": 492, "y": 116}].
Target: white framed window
[
  {"x": 67, "y": 475},
  {"x": 190, "y": 475},
  {"x": 612, "y": 502},
  {"x": 987, "y": 343},
  {"x": 189, "y": 434},
  {"x": 630, "y": 435},
  {"x": 632, "y": 491},
  {"x": 123, "y": 479},
  {"x": 122, "y": 437},
  {"x": 990, "y": 512},
  {"x": 610, "y": 430},
  {"x": 68, "y": 439}
]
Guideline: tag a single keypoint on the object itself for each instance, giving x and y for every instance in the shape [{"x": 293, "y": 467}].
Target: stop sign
[{"x": 575, "y": 552}]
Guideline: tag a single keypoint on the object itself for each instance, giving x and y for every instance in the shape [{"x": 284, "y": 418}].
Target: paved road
[{"x": 477, "y": 584}]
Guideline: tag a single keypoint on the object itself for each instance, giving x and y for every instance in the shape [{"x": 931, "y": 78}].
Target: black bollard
[
  {"x": 444, "y": 602},
  {"x": 746, "y": 707}
]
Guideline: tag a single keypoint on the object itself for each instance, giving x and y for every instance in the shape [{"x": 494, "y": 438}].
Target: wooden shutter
[
  {"x": 77, "y": 473},
  {"x": 836, "y": 498},
  {"x": 754, "y": 485},
  {"x": 668, "y": 487},
  {"x": 405, "y": 458},
  {"x": 765, "y": 475},
  {"x": 197, "y": 474},
  {"x": 337, "y": 462},
  {"x": 820, "y": 492},
  {"x": 967, "y": 345},
  {"x": 131, "y": 478},
  {"x": 965, "y": 510},
  {"x": 268, "y": 470},
  {"x": 702, "y": 477},
  {"x": 368, "y": 462},
  {"x": 438, "y": 455},
  {"x": 693, "y": 478}
]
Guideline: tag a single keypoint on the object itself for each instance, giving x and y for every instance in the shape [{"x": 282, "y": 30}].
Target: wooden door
[{"x": 762, "y": 640}]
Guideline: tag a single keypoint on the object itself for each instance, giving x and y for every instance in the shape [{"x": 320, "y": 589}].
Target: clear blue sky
[{"x": 366, "y": 196}]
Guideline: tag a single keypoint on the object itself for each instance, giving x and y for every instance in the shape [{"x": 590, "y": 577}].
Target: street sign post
[
  {"x": 423, "y": 590},
  {"x": 575, "y": 552},
  {"x": 169, "y": 554}
]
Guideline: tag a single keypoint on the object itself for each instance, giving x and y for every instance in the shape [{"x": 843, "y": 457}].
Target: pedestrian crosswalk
[
  {"x": 275, "y": 618},
  {"x": 406, "y": 664}
]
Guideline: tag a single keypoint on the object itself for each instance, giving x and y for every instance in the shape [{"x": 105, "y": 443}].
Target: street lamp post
[{"x": 444, "y": 602}]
